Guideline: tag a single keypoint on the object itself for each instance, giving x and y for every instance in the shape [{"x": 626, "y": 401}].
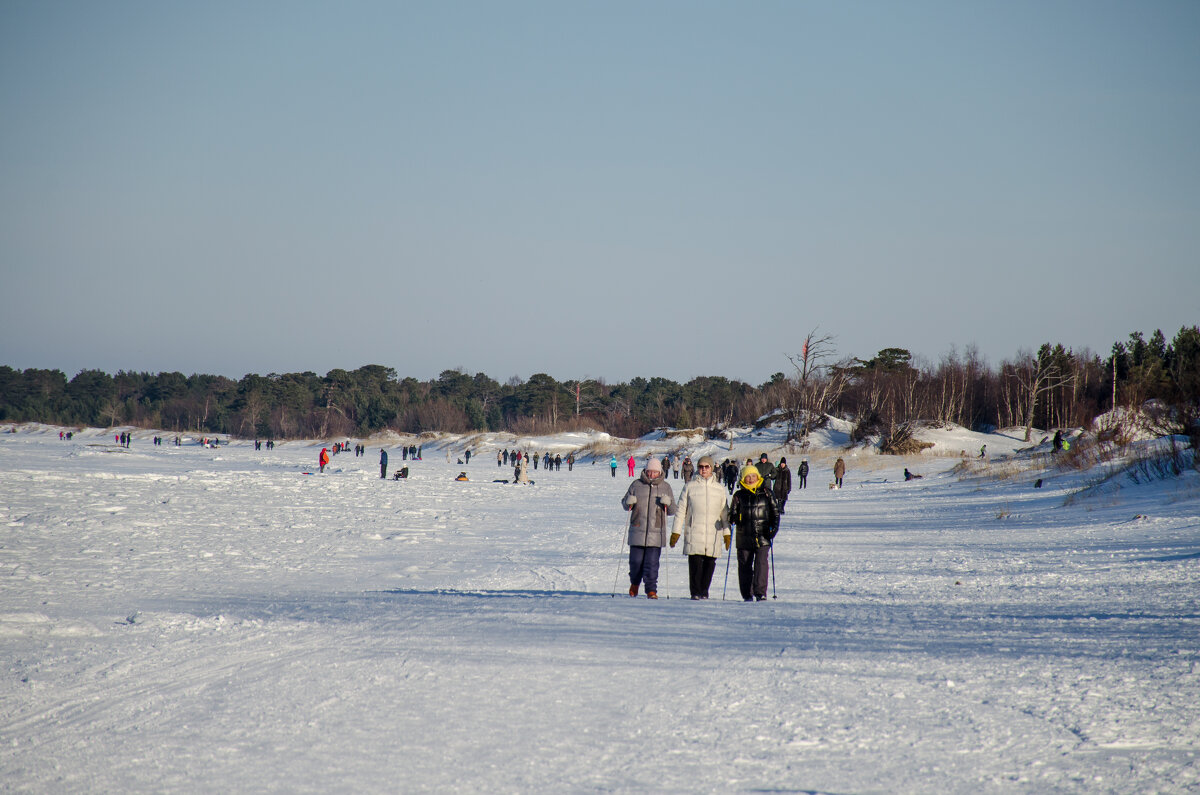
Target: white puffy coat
[{"x": 702, "y": 517}]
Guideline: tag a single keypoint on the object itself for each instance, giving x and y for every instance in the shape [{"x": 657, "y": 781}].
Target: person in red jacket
[
  {"x": 632, "y": 464},
  {"x": 323, "y": 459}
]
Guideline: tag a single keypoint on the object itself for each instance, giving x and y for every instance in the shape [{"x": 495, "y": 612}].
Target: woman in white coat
[{"x": 702, "y": 519}]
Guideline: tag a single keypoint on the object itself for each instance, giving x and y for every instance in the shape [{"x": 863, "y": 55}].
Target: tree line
[{"x": 1051, "y": 388}]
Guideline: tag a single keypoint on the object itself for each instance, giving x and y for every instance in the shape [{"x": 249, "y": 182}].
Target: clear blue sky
[{"x": 602, "y": 190}]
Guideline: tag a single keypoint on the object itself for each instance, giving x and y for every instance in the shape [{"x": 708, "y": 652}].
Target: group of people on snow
[
  {"x": 741, "y": 513},
  {"x": 547, "y": 461},
  {"x": 706, "y": 520}
]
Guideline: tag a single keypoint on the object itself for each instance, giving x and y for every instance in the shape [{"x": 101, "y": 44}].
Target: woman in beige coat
[{"x": 702, "y": 519}]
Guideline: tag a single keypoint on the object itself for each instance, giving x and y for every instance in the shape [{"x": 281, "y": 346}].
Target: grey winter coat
[{"x": 649, "y": 502}]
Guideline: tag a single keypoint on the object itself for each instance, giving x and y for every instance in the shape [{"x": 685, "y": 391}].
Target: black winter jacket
[
  {"x": 755, "y": 516},
  {"x": 766, "y": 471},
  {"x": 783, "y": 483}
]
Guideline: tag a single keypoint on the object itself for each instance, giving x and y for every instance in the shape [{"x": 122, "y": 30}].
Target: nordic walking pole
[
  {"x": 617, "y": 577},
  {"x": 728, "y": 557},
  {"x": 774, "y": 595},
  {"x": 663, "y": 563},
  {"x": 666, "y": 576}
]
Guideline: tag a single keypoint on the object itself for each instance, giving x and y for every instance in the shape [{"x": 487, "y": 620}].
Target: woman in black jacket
[{"x": 752, "y": 512}]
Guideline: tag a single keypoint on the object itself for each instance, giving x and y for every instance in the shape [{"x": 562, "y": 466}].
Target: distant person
[
  {"x": 612, "y": 462},
  {"x": 687, "y": 468},
  {"x": 382, "y": 463},
  {"x": 783, "y": 484},
  {"x": 731, "y": 475},
  {"x": 649, "y": 501},
  {"x": 631, "y": 464},
  {"x": 323, "y": 458},
  {"x": 766, "y": 471},
  {"x": 839, "y": 471},
  {"x": 802, "y": 473}
]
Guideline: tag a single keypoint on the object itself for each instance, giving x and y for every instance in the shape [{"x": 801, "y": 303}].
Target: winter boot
[
  {"x": 651, "y": 595},
  {"x": 633, "y": 589}
]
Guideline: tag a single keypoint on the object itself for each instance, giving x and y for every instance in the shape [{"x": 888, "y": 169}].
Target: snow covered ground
[{"x": 175, "y": 619}]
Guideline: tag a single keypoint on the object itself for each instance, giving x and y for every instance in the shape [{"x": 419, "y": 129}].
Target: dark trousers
[
  {"x": 383, "y": 470},
  {"x": 753, "y": 572},
  {"x": 803, "y": 481},
  {"x": 700, "y": 574},
  {"x": 643, "y": 566}
]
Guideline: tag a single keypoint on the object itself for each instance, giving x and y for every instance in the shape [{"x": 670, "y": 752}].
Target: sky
[{"x": 590, "y": 189}]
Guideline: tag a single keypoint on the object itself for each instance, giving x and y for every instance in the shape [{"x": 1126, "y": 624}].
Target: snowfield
[{"x": 181, "y": 619}]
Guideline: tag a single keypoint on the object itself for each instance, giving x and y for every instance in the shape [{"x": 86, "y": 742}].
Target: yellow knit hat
[{"x": 746, "y": 470}]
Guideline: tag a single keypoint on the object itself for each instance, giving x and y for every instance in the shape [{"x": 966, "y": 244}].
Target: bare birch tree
[{"x": 1036, "y": 376}]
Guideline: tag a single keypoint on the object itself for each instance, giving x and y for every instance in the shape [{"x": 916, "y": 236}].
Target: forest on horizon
[{"x": 1051, "y": 388}]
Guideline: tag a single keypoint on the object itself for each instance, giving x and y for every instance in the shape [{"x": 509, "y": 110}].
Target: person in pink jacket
[{"x": 632, "y": 464}]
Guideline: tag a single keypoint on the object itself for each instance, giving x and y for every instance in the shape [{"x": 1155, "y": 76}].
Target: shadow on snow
[{"x": 545, "y": 618}]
